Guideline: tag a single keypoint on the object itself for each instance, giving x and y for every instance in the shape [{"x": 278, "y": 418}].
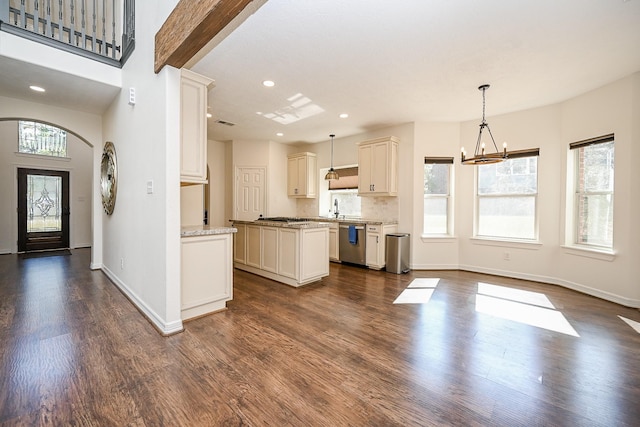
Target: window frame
[
  {"x": 574, "y": 216},
  {"x": 512, "y": 155},
  {"x": 449, "y": 197}
]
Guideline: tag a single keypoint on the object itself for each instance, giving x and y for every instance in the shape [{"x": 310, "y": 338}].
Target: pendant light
[
  {"x": 332, "y": 174},
  {"x": 480, "y": 157}
]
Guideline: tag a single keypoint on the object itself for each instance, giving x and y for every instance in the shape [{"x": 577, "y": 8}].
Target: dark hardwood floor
[{"x": 335, "y": 353}]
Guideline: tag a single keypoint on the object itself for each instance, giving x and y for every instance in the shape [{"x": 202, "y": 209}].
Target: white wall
[
  {"x": 609, "y": 109},
  {"x": 89, "y": 128},
  {"x": 433, "y": 140},
  {"x": 78, "y": 164},
  {"x": 142, "y": 236}
]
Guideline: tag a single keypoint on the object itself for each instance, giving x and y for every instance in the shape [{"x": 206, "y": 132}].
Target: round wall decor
[{"x": 109, "y": 177}]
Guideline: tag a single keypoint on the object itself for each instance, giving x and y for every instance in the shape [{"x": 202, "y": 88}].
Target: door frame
[{"x": 66, "y": 220}]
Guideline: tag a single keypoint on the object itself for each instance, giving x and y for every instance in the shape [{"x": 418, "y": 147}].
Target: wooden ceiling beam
[{"x": 190, "y": 26}]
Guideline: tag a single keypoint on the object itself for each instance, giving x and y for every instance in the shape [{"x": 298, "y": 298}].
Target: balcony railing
[{"x": 99, "y": 29}]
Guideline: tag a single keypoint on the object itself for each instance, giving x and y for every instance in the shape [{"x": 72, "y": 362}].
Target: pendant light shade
[
  {"x": 332, "y": 174},
  {"x": 480, "y": 157}
]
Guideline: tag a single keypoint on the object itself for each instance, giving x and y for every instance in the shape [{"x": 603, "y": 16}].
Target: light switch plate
[{"x": 150, "y": 186}]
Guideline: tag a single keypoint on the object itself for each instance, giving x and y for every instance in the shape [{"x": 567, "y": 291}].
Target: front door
[{"x": 43, "y": 210}]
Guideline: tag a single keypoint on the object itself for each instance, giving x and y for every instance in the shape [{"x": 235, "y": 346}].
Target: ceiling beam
[{"x": 190, "y": 26}]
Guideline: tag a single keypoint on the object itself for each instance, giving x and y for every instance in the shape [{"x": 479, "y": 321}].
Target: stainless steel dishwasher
[{"x": 352, "y": 247}]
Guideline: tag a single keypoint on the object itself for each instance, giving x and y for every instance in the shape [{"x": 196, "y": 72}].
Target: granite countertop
[
  {"x": 300, "y": 224},
  {"x": 205, "y": 230}
]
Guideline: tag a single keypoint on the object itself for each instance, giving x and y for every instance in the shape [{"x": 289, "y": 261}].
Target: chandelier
[{"x": 480, "y": 156}]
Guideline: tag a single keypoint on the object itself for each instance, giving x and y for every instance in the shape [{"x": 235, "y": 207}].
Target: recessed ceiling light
[
  {"x": 259, "y": 113},
  {"x": 344, "y": 115},
  {"x": 279, "y": 134},
  {"x": 36, "y": 88},
  {"x": 268, "y": 83},
  {"x": 209, "y": 115}
]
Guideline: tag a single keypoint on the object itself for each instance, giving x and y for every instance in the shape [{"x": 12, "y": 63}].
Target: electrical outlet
[
  {"x": 121, "y": 263},
  {"x": 506, "y": 256}
]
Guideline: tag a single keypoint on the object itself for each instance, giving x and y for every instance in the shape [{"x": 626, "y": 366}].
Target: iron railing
[{"x": 99, "y": 29}]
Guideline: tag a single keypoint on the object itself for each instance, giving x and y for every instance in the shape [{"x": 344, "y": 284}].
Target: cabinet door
[
  {"x": 253, "y": 246},
  {"x": 372, "y": 251},
  {"x": 269, "y": 249},
  {"x": 364, "y": 169},
  {"x": 292, "y": 177},
  {"x": 333, "y": 244},
  {"x": 240, "y": 244},
  {"x": 288, "y": 261},
  {"x": 193, "y": 127},
  {"x": 379, "y": 168}
]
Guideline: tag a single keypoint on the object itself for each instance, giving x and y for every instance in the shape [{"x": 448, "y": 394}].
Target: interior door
[
  {"x": 250, "y": 200},
  {"x": 43, "y": 209}
]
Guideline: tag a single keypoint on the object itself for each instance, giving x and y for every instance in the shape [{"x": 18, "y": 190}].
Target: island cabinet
[
  {"x": 378, "y": 167},
  {"x": 193, "y": 127},
  {"x": 294, "y": 256},
  {"x": 375, "y": 256},
  {"x": 206, "y": 273},
  {"x": 301, "y": 175}
]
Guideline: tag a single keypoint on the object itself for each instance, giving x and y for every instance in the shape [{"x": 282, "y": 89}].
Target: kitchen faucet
[{"x": 337, "y": 212}]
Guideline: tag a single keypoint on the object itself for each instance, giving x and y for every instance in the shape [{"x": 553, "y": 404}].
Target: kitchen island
[
  {"x": 207, "y": 270},
  {"x": 288, "y": 250}
]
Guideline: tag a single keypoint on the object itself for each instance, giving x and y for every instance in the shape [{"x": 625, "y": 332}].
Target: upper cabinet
[
  {"x": 302, "y": 175},
  {"x": 193, "y": 127},
  {"x": 378, "y": 167}
]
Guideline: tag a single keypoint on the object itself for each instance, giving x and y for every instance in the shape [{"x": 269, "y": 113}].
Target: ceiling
[
  {"x": 390, "y": 62},
  {"x": 384, "y": 63}
]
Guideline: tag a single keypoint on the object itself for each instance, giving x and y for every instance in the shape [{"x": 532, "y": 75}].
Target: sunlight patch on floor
[
  {"x": 419, "y": 291},
  {"x": 530, "y": 308},
  {"x": 635, "y": 325}
]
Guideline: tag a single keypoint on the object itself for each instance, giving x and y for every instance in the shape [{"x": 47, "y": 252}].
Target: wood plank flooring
[{"x": 338, "y": 352}]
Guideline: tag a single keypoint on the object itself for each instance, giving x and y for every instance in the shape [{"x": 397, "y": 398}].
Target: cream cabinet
[
  {"x": 193, "y": 127},
  {"x": 240, "y": 244},
  {"x": 376, "y": 244},
  {"x": 302, "y": 175},
  {"x": 294, "y": 256},
  {"x": 334, "y": 242},
  {"x": 378, "y": 167},
  {"x": 206, "y": 274}
]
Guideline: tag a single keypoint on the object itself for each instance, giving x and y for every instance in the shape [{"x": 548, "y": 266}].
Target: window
[
  {"x": 506, "y": 197},
  {"x": 41, "y": 139},
  {"x": 343, "y": 193},
  {"x": 593, "y": 195},
  {"x": 437, "y": 196}
]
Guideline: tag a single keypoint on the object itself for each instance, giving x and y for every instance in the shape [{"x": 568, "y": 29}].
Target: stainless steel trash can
[{"x": 397, "y": 253}]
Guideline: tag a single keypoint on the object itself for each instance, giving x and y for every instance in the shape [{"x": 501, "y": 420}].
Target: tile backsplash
[{"x": 372, "y": 208}]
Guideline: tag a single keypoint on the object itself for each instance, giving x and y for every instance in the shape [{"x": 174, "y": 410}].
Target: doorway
[{"x": 43, "y": 210}]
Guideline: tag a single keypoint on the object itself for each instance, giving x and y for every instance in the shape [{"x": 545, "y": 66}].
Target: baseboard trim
[
  {"x": 598, "y": 293},
  {"x": 163, "y": 327}
]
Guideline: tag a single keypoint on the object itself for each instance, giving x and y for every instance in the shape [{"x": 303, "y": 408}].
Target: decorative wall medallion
[{"x": 109, "y": 177}]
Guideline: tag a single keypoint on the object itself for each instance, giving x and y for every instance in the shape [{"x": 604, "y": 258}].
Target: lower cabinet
[
  {"x": 207, "y": 274},
  {"x": 294, "y": 256},
  {"x": 334, "y": 242},
  {"x": 376, "y": 244}
]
